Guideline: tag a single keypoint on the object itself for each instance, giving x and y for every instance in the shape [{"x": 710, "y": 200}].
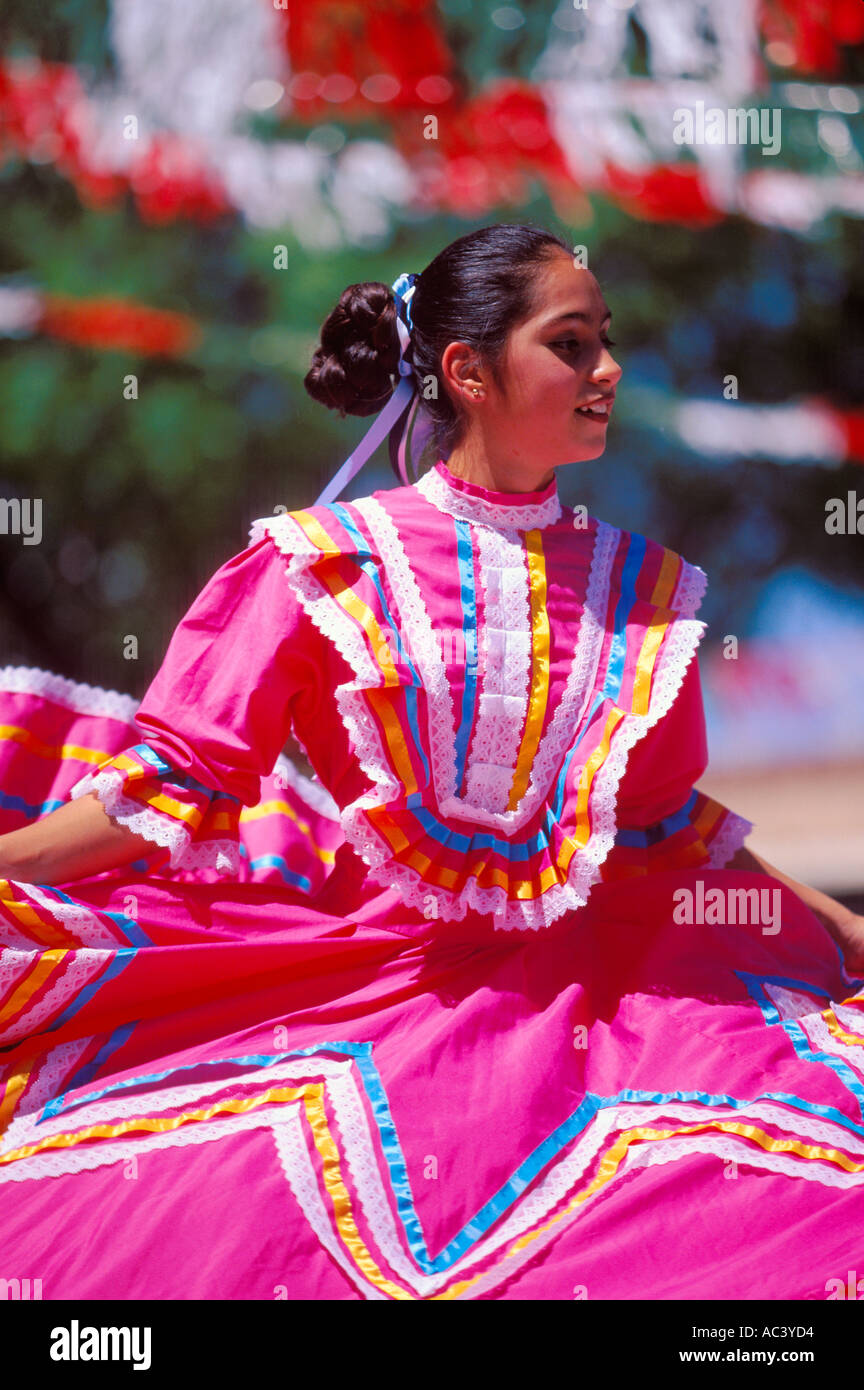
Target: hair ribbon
[{"x": 398, "y": 415}]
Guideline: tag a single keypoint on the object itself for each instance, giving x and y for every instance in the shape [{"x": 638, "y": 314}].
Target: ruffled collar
[{"x": 521, "y": 511}]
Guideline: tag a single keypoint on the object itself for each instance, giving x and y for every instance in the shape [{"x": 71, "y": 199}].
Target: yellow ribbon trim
[
  {"x": 616, "y": 1154},
  {"x": 14, "y": 1087},
  {"x": 582, "y": 832},
  {"x": 362, "y": 614},
  {"x": 539, "y": 695},
  {"x": 438, "y": 876},
  {"x": 655, "y": 632},
  {"x": 665, "y": 585},
  {"x": 336, "y": 1190},
  {"x": 836, "y": 1028},
  {"x": 647, "y": 658},
  {"x": 47, "y": 963},
  {"x": 29, "y": 920},
  {"x": 310, "y": 1094},
  {"x": 11, "y": 733},
  {"x": 152, "y": 1124},
  {"x": 387, "y": 717}
]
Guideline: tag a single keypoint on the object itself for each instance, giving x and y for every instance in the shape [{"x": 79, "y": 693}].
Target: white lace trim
[
  {"x": 690, "y": 590},
  {"x": 83, "y": 699},
  {"x": 503, "y": 669},
  {"x": 468, "y": 507},
  {"x": 109, "y": 1152},
  {"x": 126, "y": 1104},
  {"x": 334, "y": 624},
  {"x": 294, "y": 1160},
  {"x": 46, "y": 1081},
  {"x": 582, "y": 675},
  {"x": 564, "y": 1176},
  {"x": 721, "y": 1146},
  {"x": 223, "y": 855},
  {"x": 821, "y": 1039},
  {"x": 74, "y": 916},
  {"x": 730, "y": 839},
  {"x": 584, "y": 871},
  {"x": 358, "y": 1152},
  {"x": 360, "y": 1161},
  {"x": 557, "y": 1184},
  {"x": 80, "y": 966},
  {"x": 423, "y": 643}
]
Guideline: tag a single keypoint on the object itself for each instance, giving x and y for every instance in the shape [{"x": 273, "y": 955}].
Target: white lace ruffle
[
  {"x": 335, "y": 625},
  {"x": 690, "y": 590},
  {"x": 432, "y": 901},
  {"x": 223, "y": 855},
  {"x": 550, "y": 1199},
  {"x": 80, "y": 919},
  {"x": 504, "y": 669},
  {"x": 82, "y": 965},
  {"x": 83, "y": 699},
  {"x": 730, "y": 839},
  {"x": 467, "y": 507},
  {"x": 565, "y": 1176},
  {"x": 293, "y": 1152}
]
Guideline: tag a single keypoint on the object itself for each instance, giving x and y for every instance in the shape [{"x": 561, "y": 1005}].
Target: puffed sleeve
[
  {"x": 664, "y": 821},
  {"x": 216, "y": 716}
]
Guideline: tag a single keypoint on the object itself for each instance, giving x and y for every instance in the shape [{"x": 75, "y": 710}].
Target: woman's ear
[{"x": 460, "y": 369}]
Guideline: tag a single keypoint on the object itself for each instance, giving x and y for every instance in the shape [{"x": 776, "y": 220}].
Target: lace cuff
[
  {"x": 703, "y": 832},
  {"x": 194, "y": 826}
]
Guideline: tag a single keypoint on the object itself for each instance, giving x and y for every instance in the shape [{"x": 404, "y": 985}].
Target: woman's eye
[{"x": 566, "y": 343}]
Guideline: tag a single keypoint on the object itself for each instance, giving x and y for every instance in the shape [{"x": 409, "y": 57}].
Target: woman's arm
[
  {"x": 845, "y": 926},
  {"x": 76, "y": 840}
]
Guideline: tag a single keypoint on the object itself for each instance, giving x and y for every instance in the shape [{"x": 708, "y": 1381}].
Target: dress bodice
[
  {"x": 506, "y": 654},
  {"x": 497, "y": 691}
]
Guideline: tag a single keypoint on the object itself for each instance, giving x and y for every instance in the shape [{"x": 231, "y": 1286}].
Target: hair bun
[{"x": 359, "y": 352}]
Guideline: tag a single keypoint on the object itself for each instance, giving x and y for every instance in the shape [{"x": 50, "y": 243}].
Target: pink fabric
[{"x": 247, "y": 1086}]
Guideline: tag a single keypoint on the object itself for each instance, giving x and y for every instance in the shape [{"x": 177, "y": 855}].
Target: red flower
[
  {"x": 169, "y": 181},
  {"x": 488, "y": 152},
  {"x": 120, "y": 324},
  {"x": 358, "y": 41},
  {"x": 663, "y": 193},
  {"x": 813, "y": 31}
]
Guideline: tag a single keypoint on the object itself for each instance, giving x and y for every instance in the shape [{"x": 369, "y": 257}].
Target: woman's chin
[{"x": 589, "y": 450}]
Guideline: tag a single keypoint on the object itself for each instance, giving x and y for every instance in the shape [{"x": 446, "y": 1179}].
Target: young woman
[{"x": 500, "y": 1005}]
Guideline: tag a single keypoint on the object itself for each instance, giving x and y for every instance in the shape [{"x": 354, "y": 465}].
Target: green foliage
[
  {"x": 63, "y": 31},
  {"x": 143, "y": 498}
]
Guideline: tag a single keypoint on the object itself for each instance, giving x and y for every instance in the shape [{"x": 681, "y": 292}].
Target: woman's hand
[
  {"x": 845, "y": 926},
  {"x": 76, "y": 840}
]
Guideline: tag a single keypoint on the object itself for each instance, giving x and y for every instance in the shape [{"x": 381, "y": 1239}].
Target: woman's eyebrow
[{"x": 576, "y": 314}]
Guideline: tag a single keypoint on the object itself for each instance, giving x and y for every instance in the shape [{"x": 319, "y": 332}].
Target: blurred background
[{"x": 188, "y": 185}]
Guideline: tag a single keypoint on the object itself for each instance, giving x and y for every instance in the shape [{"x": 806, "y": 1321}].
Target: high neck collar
[{"x": 520, "y": 511}]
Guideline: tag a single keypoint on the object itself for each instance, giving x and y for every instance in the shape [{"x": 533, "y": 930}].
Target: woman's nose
[{"x": 607, "y": 368}]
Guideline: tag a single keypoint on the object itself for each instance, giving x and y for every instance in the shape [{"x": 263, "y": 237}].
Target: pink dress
[{"x": 478, "y": 1012}]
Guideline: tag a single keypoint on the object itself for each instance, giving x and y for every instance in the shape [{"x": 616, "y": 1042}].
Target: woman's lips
[{"x": 599, "y": 411}]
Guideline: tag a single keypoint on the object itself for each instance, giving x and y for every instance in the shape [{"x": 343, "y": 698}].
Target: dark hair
[{"x": 475, "y": 291}]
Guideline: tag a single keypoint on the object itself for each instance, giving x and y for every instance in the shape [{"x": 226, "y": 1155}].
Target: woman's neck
[{"x": 474, "y": 465}]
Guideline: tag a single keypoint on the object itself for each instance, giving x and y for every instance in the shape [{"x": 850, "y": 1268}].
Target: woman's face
[{"x": 555, "y": 362}]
